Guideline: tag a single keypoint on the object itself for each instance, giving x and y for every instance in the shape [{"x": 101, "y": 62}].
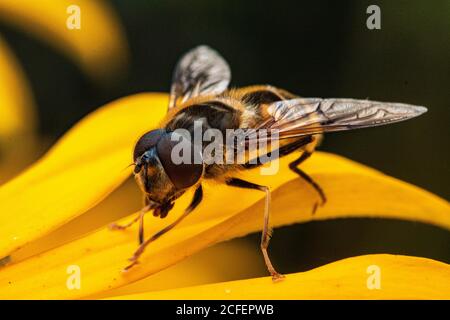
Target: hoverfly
[{"x": 199, "y": 92}]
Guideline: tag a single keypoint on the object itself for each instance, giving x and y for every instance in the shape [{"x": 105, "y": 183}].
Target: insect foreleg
[
  {"x": 197, "y": 198},
  {"x": 139, "y": 217},
  {"x": 267, "y": 230}
]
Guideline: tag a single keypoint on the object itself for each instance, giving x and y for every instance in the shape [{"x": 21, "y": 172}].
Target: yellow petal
[
  {"x": 78, "y": 172},
  {"x": 123, "y": 200},
  {"x": 102, "y": 255},
  {"x": 215, "y": 264},
  {"x": 400, "y": 277},
  {"x": 98, "y": 46}
]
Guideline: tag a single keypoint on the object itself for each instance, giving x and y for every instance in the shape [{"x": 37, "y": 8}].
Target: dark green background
[{"x": 312, "y": 48}]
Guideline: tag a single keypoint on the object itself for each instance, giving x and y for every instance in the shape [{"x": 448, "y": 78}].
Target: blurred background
[{"x": 311, "y": 48}]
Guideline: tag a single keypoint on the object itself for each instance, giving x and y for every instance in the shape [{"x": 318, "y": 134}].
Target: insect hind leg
[
  {"x": 281, "y": 151},
  {"x": 294, "y": 166}
]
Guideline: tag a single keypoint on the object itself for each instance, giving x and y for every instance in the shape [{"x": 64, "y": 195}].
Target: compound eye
[
  {"x": 186, "y": 173},
  {"x": 146, "y": 142}
]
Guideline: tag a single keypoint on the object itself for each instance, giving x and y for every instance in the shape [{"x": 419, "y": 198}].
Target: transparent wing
[
  {"x": 200, "y": 71},
  {"x": 307, "y": 116}
]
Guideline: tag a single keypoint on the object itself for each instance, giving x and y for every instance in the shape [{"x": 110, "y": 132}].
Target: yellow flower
[
  {"x": 98, "y": 46},
  {"x": 61, "y": 191}
]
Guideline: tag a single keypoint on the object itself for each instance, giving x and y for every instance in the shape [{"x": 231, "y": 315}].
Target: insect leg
[
  {"x": 282, "y": 151},
  {"x": 139, "y": 217},
  {"x": 197, "y": 198},
  {"x": 267, "y": 231},
  {"x": 288, "y": 149},
  {"x": 294, "y": 167}
]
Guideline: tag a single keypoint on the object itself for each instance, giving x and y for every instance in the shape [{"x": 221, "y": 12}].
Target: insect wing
[
  {"x": 307, "y": 116},
  {"x": 200, "y": 71}
]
